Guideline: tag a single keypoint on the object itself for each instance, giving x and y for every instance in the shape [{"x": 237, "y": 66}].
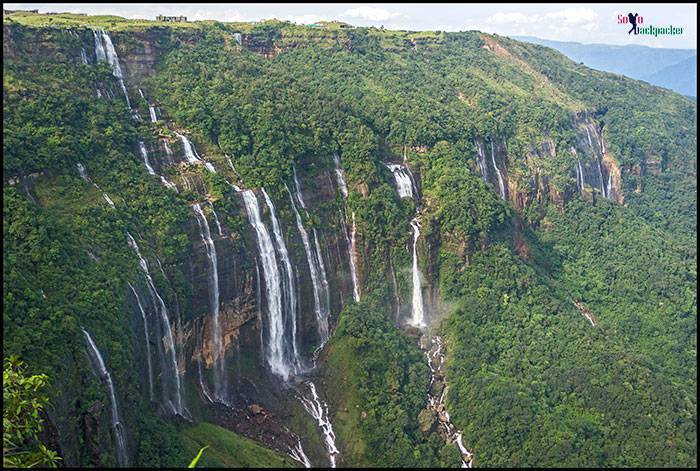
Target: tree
[{"x": 23, "y": 403}]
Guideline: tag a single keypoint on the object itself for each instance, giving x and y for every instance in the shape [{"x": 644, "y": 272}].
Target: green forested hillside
[{"x": 570, "y": 318}]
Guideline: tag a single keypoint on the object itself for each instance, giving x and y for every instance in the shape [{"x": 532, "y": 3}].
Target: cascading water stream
[
  {"x": 297, "y": 454},
  {"x": 481, "y": 159},
  {"x": 83, "y": 56},
  {"x": 148, "y": 343},
  {"x": 353, "y": 269},
  {"x": 216, "y": 219},
  {"x": 109, "y": 54},
  {"x": 84, "y": 176},
  {"x": 404, "y": 183},
  {"x": 99, "y": 48},
  {"x": 117, "y": 427},
  {"x": 218, "y": 347},
  {"x": 320, "y": 310},
  {"x": 436, "y": 362},
  {"x": 190, "y": 152},
  {"x": 152, "y": 113},
  {"x": 289, "y": 288},
  {"x": 176, "y": 401},
  {"x": 340, "y": 176},
  {"x": 498, "y": 174},
  {"x": 144, "y": 155},
  {"x": 417, "y": 315},
  {"x": 275, "y": 346},
  {"x": 319, "y": 411}
]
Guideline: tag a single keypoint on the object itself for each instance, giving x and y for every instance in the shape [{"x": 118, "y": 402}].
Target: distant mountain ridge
[{"x": 675, "y": 69}]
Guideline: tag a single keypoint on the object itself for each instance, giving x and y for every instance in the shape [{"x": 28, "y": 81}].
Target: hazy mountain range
[{"x": 669, "y": 68}]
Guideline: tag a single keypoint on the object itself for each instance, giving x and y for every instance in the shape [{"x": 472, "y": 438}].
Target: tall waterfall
[
  {"x": 218, "y": 353},
  {"x": 600, "y": 176},
  {"x": 319, "y": 411},
  {"x": 322, "y": 269},
  {"x": 83, "y": 56},
  {"x": 498, "y": 173},
  {"x": 320, "y": 309},
  {"x": 109, "y": 54},
  {"x": 340, "y": 176},
  {"x": 290, "y": 290},
  {"x": 144, "y": 155},
  {"x": 148, "y": 342},
  {"x": 275, "y": 348},
  {"x": 353, "y": 268},
  {"x": 176, "y": 400},
  {"x": 404, "y": 184},
  {"x": 99, "y": 49},
  {"x": 298, "y": 188},
  {"x": 481, "y": 159},
  {"x": 417, "y": 316},
  {"x": 106, "y": 378},
  {"x": 152, "y": 112}
]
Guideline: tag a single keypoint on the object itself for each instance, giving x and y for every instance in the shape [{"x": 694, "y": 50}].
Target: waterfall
[
  {"x": 203, "y": 386},
  {"x": 436, "y": 362},
  {"x": 273, "y": 288},
  {"x": 339, "y": 176},
  {"x": 322, "y": 269},
  {"x": 108, "y": 200},
  {"x": 216, "y": 219},
  {"x": 404, "y": 183},
  {"x": 106, "y": 378},
  {"x": 418, "y": 316},
  {"x": 190, "y": 152},
  {"x": 588, "y": 134},
  {"x": 298, "y": 188},
  {"x": 99, "y": 49},
  {"x": 152, "y": 111},
  {"x": 83, "y": 56},
  {"x": 319, "y": 411},
  {"x": 353, "y": 268},
  {"x": 481, "y": 159},
  {"x": 610, "y": 184},
  {"x": 148, "y": 344},
  {"x": 580, "y": 173},
  {"x": 600, "y": 177},
  {"x": 320, "y": 310},
  {"x": 395, "y": 287},
  {"x": 109, "y": 54},
  {"x": 82, "y": 172},
  {"x": 498, "y": 174},
  {"x": 144, "y": 155},
  {"x": 297, "y": 453},
  {"x": 290, "y": 290},
  {"x": 219, "y": 354},
  {"x": 168, "y": 152},
  {"x": 163, "y": 310}
]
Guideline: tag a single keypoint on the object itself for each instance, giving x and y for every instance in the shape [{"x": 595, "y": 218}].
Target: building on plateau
[{"x": 172, "y": 19}]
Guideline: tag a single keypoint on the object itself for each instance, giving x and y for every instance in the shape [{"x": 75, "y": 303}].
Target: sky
[{"x": 580, "y": 22}]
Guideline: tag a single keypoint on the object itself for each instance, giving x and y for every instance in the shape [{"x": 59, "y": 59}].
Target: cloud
[
  {"x": 370, "y": 14},
  {"x": 512, "y": 18},
  {"x": 572, "y": 16},
  {"x": 569, "y": 16}
]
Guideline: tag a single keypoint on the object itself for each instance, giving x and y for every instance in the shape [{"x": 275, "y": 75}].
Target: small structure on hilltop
[{"x": 172, "y": 19}]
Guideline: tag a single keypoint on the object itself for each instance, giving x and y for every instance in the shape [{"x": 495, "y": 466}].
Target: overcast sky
[{"x": 586, "y": 23}]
